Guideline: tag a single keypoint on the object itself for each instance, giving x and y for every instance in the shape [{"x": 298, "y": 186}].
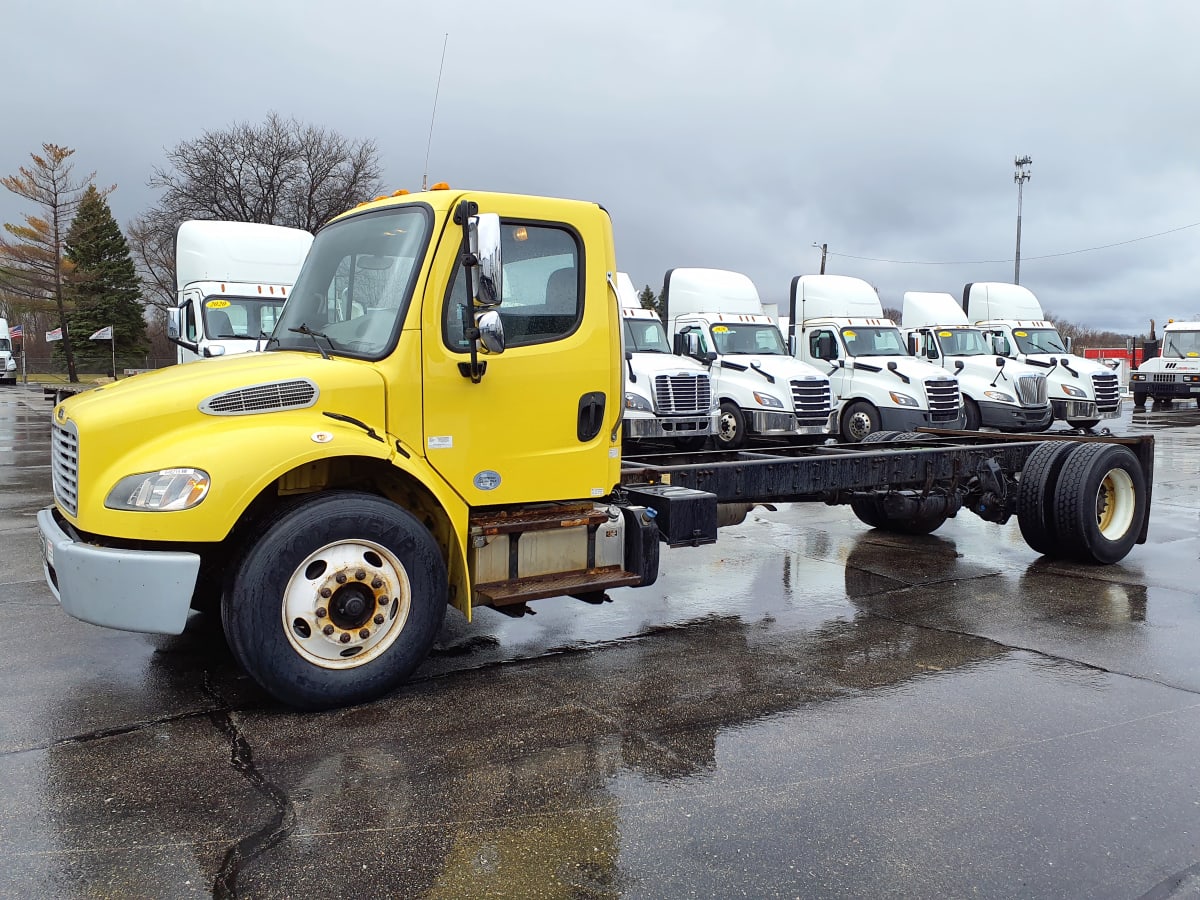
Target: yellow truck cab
[{"x": 436, "y": 421}]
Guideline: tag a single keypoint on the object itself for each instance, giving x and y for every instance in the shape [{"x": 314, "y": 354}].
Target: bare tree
[
  {"x": 33, "y": 272},
  {"x": 279, "y": 172}
]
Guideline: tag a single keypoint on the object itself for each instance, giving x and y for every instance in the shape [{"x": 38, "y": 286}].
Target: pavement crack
[
  {"x": 280, "y": 824},
  {"x": 102, "y": 733}
]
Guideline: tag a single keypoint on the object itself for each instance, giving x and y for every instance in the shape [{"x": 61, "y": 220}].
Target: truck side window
[{"x": 541, "y": 283}]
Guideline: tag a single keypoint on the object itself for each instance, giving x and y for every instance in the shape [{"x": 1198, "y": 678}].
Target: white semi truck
[
  {"x": 997, "y": 392},
  {"x": 1172, "y": 375},
  {"x": 667, "y": 397},
  {"x": 8, "y": 357},
  {"x": 233, "y": 279},
  {"x": 837, "y": 321},
  {"x": 1083, "y": 392},
  {"x": 716, "y": 317}
]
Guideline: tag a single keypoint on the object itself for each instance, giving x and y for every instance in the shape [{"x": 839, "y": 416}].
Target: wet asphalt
[{"x": 807, "y": 708}]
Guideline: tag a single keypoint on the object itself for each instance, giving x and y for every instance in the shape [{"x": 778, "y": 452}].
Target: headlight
[
  {"x": 166, "y": 489},
  {"x": 767, "y": 400},
  {"x": 1138, "y": 376},
  {"x": 1191, "y": 377},
  {"x": 1073, "y": 391},
  {"x": 637, "y": 401},
  {"x": 1000, "y": 395},
  {"x": 902, "y": 399}
]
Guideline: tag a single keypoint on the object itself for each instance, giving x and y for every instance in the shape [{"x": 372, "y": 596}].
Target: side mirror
[
  {"x": 825, "y": 347},
  {"x": 1000, "y": 361},
  {"x": 710, "y": 357},
  {"x": 913, "y": 349},
  {"x": 214, "y": 350},
  {"x": 483, "y": 243},
  {"x": 174, "y": 328},
  {"x": 1000, "y": 345},
  {"x": 491, "y": 331},
  {"x": 687, "y": 343},
  {"x": 959, "y": 365},
  {"x": 1070, "y": 342}
]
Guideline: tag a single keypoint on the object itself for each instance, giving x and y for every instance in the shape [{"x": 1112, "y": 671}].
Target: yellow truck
[{"x": 332, "y": 496}]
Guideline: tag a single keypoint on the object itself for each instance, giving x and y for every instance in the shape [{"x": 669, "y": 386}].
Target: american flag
[{"x": 16, "y": 332}]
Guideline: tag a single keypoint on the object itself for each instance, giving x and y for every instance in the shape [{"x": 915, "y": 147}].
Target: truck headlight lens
[
  {"x": 1073, "y": 391},
  {"x": 767, "y": 400},
  {"x": 1138, "y": 376},
  {"x": 637, "y": 401},
  {"x": 1000, "y": 395},
  {"x": 166, "y": 489},
  {"x": 902, "y": 399}
]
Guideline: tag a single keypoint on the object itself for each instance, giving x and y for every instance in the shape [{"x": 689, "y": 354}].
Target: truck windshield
[
  {"x": 646, "y": 336},
  {"x": 1182, "y": 344},
  {"x": 356, "y": 284},
  {"x": 4, "y": 345},
  {"x": 1038, "y": 340},
  {"x": 240, "y": 317},
  {"x": 871, "y": 340},
  {"x": 962, "y": 342},
  {"x": 747, "y": 337}
]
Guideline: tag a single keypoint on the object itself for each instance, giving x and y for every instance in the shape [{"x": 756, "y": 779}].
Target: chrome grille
[
  {"x": 812, "y": 400},
  {"x": 682, "y": 394},
  {"x": 1031, "y": 390},
  {"x": 1108, "y": 392},
  {"x": 945, "y": 402},
  {"x": 64, "y": 466},
  {"x": 273, "y": 396}
]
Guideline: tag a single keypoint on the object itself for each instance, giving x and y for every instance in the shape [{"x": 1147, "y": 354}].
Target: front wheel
[
  {"x": 859, "y": 420},
  {"x": 974, "y": 418},
  {"x": 338, "y": 601},
  {"x": 1086, "y": 424},
  {"x": 731, "y": 427}
]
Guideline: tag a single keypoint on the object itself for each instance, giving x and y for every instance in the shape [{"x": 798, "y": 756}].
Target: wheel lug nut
[
  {"x": 360, "y": 574},
  {"x": 322, "y": 612},
  {"x": 379, "y": 618},
  {"x": 341, "y": 578},
  {"x": 328, "y": 629},
  {"x": 345, "y": 638},
  {"x": 377, "y": 583},
  {"x": 365, "y": 633},
  {"x": 326, "y": 593},
  {"x": 384, "y": 601}
]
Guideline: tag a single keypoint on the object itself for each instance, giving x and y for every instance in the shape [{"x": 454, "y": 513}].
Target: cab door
[{"x": 541, "y": 423}]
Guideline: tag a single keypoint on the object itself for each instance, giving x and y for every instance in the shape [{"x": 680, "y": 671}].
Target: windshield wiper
[{"x": 305, "y": 330}]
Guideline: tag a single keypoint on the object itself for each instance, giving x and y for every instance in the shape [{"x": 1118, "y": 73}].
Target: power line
[{"x": 977, "y": 262}]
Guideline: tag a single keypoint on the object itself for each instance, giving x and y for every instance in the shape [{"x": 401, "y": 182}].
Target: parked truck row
[{"x": 332, "y": 496}]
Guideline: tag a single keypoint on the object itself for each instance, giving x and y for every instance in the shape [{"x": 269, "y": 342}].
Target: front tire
[
  {"x": 974, "y": 418},
  {"x": 1085, "y": 424},
  {"x": 731, "y": 427},
  {"x": 859, "y": 420},
  {"x": 338, "y": 601}
]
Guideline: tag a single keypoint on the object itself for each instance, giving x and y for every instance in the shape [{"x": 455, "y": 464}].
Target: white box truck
[
  {"x": 232, "y": 280},
  {"x": 1083, "y": 392},
  {"x": 8, "y": 355},
  {"x": 716, "y": 317},
  {"x": 1172, "y": 375},
  {"x": 998, "y": 392},
  {"x": 837, "y": 321},
  {"x": 667, "y": 397}
]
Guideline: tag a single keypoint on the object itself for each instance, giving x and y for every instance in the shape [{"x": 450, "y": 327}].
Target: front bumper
[
  {"x": 133, "y": 590},
  {"x": 899, "y": 418},
  {"x": 1170, "y": 389},
  {"x": 668, "y": 427},
  {"x": 763, "y": 422},
  {"x": 1007, "y": 417},
  {"x": 1082, "y": 409}
]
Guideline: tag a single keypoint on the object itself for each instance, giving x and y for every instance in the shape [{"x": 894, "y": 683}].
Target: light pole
[{"x": 1020, "y": 177}]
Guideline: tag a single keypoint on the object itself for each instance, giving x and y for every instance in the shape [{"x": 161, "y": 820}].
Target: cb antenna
[{"x": 433, "y": 115}]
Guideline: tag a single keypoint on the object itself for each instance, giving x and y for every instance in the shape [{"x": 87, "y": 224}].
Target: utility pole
[
  {"x": 824, "y": 251},
  {"x": 1020, "y": 177}
]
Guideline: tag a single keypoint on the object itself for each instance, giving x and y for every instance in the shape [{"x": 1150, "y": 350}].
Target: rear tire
[
  {"x": 1035, "y": 496},
  {"x": 337, "y": 602},
  {"x": 1100, "y": 503}
]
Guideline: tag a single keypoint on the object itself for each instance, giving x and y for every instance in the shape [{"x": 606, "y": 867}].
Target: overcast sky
[{"x": 728, "y": 135}]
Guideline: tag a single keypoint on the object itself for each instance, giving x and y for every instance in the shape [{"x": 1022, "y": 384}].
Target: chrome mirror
[
  {"x": 491, "y": 331},
  {"x": 483, "y": 243}
]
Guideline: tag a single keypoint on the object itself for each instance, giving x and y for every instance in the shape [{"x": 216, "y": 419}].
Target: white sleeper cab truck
[
  {"x": 1082, "y": 391},
  {"x": 232, "y": 280},
  {"x": 837, "y": 321},
  {"x": 667, "y": 397},
  {"x": 1175, "y": 373},
  {"x": 717, "y": 317},
  {"x": 8, "y": 356},
  {"x": 997, "y": 392}
]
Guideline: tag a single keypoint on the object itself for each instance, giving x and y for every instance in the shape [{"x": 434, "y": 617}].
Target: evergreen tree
[
  {"x": 103, "y": 285},
  {"x": 649, "y": 300}
]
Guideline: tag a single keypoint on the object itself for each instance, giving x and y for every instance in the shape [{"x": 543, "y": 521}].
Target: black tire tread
[
  {"x": 1074, "y": 511},
  {"x": 1035, "y": 496}
]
